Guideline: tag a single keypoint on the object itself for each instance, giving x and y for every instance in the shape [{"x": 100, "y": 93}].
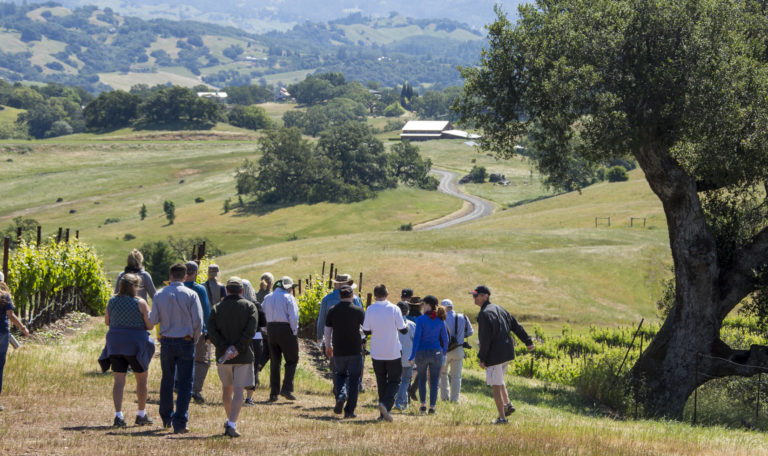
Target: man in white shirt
[
  {"x": 382, "y": 322},
  {"x": 282, "y": 312}
]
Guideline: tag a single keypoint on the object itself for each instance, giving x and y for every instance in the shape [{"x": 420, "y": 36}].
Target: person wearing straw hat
[
  {"x": 282, "y": 312},
  {"x": 6, "y": 315}
]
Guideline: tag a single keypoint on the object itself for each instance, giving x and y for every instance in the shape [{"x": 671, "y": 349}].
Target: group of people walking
[{"x": 247, "y": 327}]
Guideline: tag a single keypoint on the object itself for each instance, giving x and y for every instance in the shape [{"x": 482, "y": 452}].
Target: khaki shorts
[
  {"x": 237, "y": 375},
  {"x": 494, "y": 375}
]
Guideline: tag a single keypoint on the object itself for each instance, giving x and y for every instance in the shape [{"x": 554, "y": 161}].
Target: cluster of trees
[
  {"x": 156, "y": 106},
  {"x": 347, "y": 164},
  {"x": 49, "y": 110}
]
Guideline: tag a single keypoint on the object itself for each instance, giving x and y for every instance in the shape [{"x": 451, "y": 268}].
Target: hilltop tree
[
  {"x": 114, "y": 109},
  {"x": 143, "y": 211},
  {"x": 170, "y": 211},
  {"x": 680, "y": 86}
]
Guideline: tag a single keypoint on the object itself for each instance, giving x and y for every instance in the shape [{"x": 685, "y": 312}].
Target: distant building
[
  {"x": 422, "y": 130},
  {"x": 282, "y": 94},
  {"x": 213, "y": 95}
]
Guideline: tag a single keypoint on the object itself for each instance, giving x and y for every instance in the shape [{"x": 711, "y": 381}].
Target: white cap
[
  {"x": 287, "y": 282},
  {"x": 446, "y": 303}
]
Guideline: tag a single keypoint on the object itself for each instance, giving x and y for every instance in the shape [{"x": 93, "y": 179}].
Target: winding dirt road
[{"x": 474, "y": 207}]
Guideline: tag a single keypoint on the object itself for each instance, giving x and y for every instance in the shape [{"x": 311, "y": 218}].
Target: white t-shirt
[{"x": 384, "y": 319}]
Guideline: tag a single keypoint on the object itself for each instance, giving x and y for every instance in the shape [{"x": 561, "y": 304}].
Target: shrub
[
  {"x": 199, "y": 199},
  {"x": 309, "y": 303},
  {"x": 406, "y": 227},
  {"x": 617, "y": 174},
  {"x": 111, "y": 220},
  {"x": 394, "y": 110},
  {"x": 128, "y": 237}
]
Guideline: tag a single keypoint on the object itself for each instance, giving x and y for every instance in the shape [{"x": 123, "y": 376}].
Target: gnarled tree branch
[
  {"x": 740, "y": 279},
  {"x": 727, "y": 362}
]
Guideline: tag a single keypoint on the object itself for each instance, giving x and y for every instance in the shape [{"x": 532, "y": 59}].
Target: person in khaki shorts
[
  {"x": 231, "y": 327},
  {"x": 496, "y": 347}
]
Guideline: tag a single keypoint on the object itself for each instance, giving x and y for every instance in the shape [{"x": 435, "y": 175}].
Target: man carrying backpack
[{"x": 459, "y": 328}]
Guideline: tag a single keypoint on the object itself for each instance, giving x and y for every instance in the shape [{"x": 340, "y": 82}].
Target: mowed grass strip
[{"x": 57, "y": 402}]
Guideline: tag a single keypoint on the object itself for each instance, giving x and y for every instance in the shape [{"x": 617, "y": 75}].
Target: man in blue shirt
[
  {"x": 177, "y": 310},
  {"x": 203, "y": 348}
]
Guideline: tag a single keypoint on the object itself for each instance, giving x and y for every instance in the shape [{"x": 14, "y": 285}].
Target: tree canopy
[{"x": 681, "y": 87}]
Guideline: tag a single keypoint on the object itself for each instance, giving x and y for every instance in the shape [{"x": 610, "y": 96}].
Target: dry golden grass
[{"x": 57, "y": 402}]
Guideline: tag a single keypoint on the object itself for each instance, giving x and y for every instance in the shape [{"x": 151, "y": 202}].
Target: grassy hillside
[
  {"x": 97, "y": 49},
  {"x": 545, "y": 260},
  {"x": 57, "y": 402}
]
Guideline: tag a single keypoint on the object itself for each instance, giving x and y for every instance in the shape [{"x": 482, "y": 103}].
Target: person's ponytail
[{"x": 441, "y": 313}]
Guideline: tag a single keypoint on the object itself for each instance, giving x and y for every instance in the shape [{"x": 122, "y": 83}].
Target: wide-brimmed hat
[
  {"x": 344, "y": 279},
  {"x": 286, "y": 283}
]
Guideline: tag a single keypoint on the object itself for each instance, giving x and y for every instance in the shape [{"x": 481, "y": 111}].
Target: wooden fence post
[
  {"x": 58, "y": 237},
  {"x": 6, "y": 254},
  {"x": 368, "y": 300},
  {"x": 360, "y": 283},
  {"x": 18, "y": 235},
  {"x": 201, "y": 250},
  {"x": 39, "y": 234},
  {"x": 66, "y": 237},
  {"x": 300, "y": 286},
  {"x": 322, "y": 273},
  {"x": 77, "y": 234},
  {"x": 194, "y": 252}
]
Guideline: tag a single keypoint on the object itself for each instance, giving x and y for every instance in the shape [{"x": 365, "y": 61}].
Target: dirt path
[{"x": 472, "y": 209}]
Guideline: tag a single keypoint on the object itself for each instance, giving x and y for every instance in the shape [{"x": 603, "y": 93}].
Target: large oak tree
[{"x": 681, "y": 86}]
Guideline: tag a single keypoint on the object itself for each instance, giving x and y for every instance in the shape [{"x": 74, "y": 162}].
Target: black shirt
[{"x": 346, "y": 318}]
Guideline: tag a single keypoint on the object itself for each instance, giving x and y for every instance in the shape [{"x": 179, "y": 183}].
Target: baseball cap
[
  {"x": 235, "y": 281},
  {"x": 406, "y": 294},
  {"x": 447, "y": 303},
  {"x": 191, "y": 266},
  {"x": 481, "y": 289}
]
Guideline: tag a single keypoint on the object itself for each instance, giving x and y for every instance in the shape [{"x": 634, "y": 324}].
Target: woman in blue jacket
[{"x": 429, "y": 344}]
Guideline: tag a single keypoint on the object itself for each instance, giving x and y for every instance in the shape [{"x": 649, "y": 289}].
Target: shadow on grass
[
  {"x": 87, "y": 428},
  {"x": 256, "y": 208},
  {"x": 325, "y": 418},
  {"x": 541, "y": 394}
]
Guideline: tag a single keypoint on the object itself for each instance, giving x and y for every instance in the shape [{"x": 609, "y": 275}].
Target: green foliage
[
  {"x": 409, "y": 167},
  {"x": 406, "y": 227},
  {"x": 477, "y": 175},
  {"x": 177, "y": 106},
  {"x": 226, "y": 205},
  {"x": 309, "y": 301},
  {"x": 158, "y": 258},
  {"x": 111, "y": 220},
  {"x": 251, "y": 117},
  {"x": 28, "y": 230},
  {"x": 170, "y": 211},
  {"x": 111, "y": 110},
  {"x": 52, "y": 267},
  {"x": 143, "y": 211},
  {"x": 617, "y": 174},
  {"x": 394, "y": 110},
  {"x": 199, "y": 199}
]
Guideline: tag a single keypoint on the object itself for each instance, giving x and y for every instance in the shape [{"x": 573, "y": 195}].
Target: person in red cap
[{"x": 497, "y": 347}]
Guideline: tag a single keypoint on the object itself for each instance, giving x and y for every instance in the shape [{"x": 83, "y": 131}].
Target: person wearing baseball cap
[
  {"x": 497, "y": 348},
  {"x": 459, "y": 328}
]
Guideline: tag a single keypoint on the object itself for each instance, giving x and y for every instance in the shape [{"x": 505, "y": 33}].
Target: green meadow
[{"x": 546, "y": 260}]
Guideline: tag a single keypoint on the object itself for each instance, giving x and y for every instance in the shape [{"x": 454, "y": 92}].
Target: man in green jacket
[{"x": 231, "y": 327}]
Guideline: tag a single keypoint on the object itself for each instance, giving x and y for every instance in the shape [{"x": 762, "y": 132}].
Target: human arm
[
  {"x": 214, "y": 336},
  {"x": 293, "y": 313},
  {"x": 468, "y": 331},
  {"x": 484, "y": 338},
  {"x": 327, "y": 337},
  {"x": 144, "y": 309},
  {"x": 196, "y": 312},
  {"x": 520, "y": 333},
  {"x": 321, "y": 316},
  {"x": 149, "y": 286},
  {"x": 444, "y": 338},
  {"x": 15, "y": 320},
  {"x": 416, "y": 339},
  {"x": 106, "y": 315}
]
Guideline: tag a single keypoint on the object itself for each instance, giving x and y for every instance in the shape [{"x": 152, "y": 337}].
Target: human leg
[
  {"x": 435, "y": 363},
  {"x": 291, "y": 353},
  {"x": 421, "y": 376},
  {"x": 242, "y": 376},
  {"x": 456, "y": 366},
  {"x": 5, "y": 338},
  {"x": 340, "y": 377},
  {"x": 498, "y": 399},
  {"x": 185, "y": 371},
  {"x": 354, "y": 370},
  {"x": 202, "y": 364},
  {"x": 117, "y": 390},
  {"x": 394, "y": 369},
  {"x": 380, "y": 370},
  {"x": 142, "y": 390},
  {"x": 168, "y": 352},
  {"x": 444, "y": 381},
  {"x": 402, "y": 391},
  {"x": 275, "y": 359}
]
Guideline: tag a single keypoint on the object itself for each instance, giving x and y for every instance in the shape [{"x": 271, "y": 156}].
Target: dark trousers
[
  {"x": 176, "y": 356},
  {"x": 5, "y": 338},
  {"x": 257, "y": 346},
  {"x": 388, "y": 380},
  {"x": 282, "y": 344},
  {"x": 347, "y": 370}
]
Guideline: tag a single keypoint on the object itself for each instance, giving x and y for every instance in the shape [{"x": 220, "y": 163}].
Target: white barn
[{"x": 422, "y": 130}]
